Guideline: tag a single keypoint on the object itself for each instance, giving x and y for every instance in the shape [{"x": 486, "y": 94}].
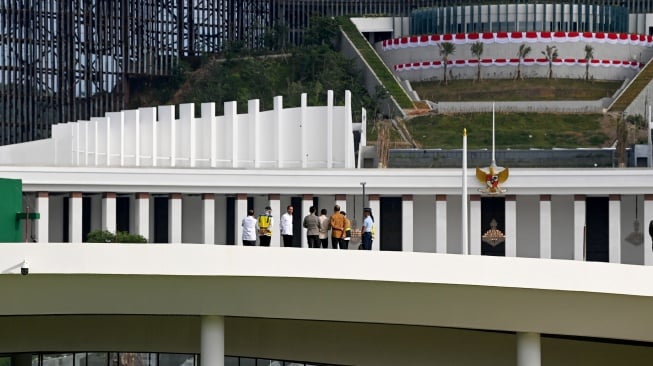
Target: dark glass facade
[{"x": 519, "y": 17}]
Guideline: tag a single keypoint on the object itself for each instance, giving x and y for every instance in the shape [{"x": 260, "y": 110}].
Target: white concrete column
[
  {"x": 109, "y": 212},
  {"x": 307, "y": 202},
  {"x": 441, "y": 223},
  {"x": 142, "y": 215},
  {"x": 579, "y": 227},
  {"x": 174, "y": 218},
  {"x": 329, "y": 136},
  {"x": 43, "y": 223},
  {"x": 241, "y": 213},
  {"x": 407, "y": 223},
  {"x": 614, "y": 231},
  {"x": 511, "y": 225},
  {"x": 212, "y": 340},
  {"x": 75, "y": 217},
  {"x": 475, "y": 224},
  {"x": 528, "y": 349},
  {"x": 374, "y": 203},
  {"x": 648, "y": 216},
  {"x": 208, "y": 218},
  {"x": 341, "y": 200},
  {"x": 545, "y": 226}
]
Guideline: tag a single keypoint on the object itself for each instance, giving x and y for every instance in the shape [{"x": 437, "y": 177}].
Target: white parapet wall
[{"x": 301, "y": 137}]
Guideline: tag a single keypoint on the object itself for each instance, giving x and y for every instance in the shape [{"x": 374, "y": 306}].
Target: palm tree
[
  {"x": 477, "y": 51},
  {"x": 551, "y": 53},
  {"x": 589, "y": 55},
  {"x": 523, "y": 51},
  {"x": 446, "y": 49}
]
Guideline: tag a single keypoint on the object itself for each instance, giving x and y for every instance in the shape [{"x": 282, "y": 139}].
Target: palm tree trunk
[
  {"x": 550, "y": 70},
  {"x": 587, "y": 71}
]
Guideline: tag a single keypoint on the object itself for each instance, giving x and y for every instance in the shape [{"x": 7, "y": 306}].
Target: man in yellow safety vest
[{"x": 265, "y": 222}]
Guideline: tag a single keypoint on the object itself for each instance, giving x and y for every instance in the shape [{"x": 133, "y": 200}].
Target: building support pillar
[
  {"x": 241, "y": 213},
  {"x": 545, "y": 226},
  {"x": 528, "y": 349},
  {"x": 208, "y": 218},
  {"x": 614, "y": 228},
  {"x": 307, "y": 202},
  {"x": 43, "y": 223},
  {"x": 474, "y": 225},
  {"x": 407, "y": 223},
  {"x": 174, "y": 218},
  {"x": 511, "y": 225},
  {"x": 579, "y": 227},
  {"x": 75, "y": 215},
  {"x": 341, "y": 200},
  {"x": 275, "y": 205},
  {"x": 375, "y": 206},
  {"x": 142, "y": 214},
  {"x": 109, "y": 212},
  {"x": 212, "y": 340},
  {"x": 440, "y": 223}
]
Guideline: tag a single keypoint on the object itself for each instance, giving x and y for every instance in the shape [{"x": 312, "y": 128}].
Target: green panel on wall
[{"x": 11, "y": 203}]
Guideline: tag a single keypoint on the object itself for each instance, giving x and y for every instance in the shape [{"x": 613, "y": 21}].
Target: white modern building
[{"x": 569, "y": 284}]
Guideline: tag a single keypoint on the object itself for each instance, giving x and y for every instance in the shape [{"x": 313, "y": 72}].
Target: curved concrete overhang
[
  {"x": 489, "y": 293},
  {"x": 597, "y": 181}
]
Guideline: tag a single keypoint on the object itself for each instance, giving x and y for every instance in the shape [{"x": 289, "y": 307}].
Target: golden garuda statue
[{"x": 492, "y": 176}]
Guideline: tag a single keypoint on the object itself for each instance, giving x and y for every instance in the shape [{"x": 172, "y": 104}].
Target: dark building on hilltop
[{"x": 69, "y": 60}]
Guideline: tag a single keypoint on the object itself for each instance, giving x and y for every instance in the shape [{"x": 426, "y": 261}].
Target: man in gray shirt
[{"x": 312, "y": 224}]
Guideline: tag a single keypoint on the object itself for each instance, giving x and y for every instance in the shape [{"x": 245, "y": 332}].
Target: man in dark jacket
[{"x": 312, "y": 225}]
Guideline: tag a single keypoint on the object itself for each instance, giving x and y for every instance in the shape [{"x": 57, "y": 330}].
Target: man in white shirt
[
  {"x": 286, "y": 227},
  {"x": 367, "y": 229},
  {"x": 249, "y": 229},
  {"x": 324, "y": 228}
]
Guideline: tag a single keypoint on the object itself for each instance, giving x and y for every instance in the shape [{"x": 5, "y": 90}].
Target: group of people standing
[{"x": 317, "y": 228}]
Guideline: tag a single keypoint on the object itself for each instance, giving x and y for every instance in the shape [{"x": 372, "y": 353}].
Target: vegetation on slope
[
  {"x": 513, "y": 130},
  {"x": 313, "y": 68},
  {"x": 516, "y": 90},
  {"x": 375, "y": 62}
]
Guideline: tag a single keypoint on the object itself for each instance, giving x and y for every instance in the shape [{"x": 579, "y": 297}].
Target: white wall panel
[
  {"x": 632, "y": 209},
  {"x": 528, "y": 226},
  {"x": 562, "y": 227},
  {"x": 185, "y": 141},
  {"x": 454, "y": 225},
  {"x": 191, "y": 231},
  {"x": 115, "y": 137},
  {"x": 165, "y": 141},
  {"x": 148, "y": 136},
  {"x": 424, "y": 224},
  {"x": 131, "y": 137}
]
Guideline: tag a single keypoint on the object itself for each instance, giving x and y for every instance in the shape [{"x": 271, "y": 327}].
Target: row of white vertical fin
[{"x": 117, "y": 139}]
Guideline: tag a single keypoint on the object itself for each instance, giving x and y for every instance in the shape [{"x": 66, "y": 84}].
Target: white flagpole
[
  {"x": 465, "y": 240},
  {"x": 493, "y": 160}
]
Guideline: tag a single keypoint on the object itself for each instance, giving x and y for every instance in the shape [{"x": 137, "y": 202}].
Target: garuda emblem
[{"x": 492, "y": 177}]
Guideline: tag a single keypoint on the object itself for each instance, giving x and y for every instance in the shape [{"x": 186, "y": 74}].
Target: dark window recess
[
  {"x": 160, "y": 219},
  {"x": 597, "y": 231},
  {"x": 493, "y": 208},
  {"x": 391, "y": 224}
]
